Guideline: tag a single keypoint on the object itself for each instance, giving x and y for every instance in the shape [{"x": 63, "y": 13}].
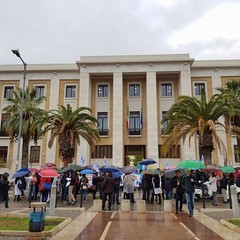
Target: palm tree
[
  {"x": 190, "y": 117},
  {"x": 31, "y": 112},
  {"x": 68, "y": 126}
]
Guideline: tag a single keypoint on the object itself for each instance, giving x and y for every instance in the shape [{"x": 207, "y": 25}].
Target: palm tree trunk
[{"x": 25, "y": 153}]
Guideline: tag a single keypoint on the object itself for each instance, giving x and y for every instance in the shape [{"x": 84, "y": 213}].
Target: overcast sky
[{"x": 60, "y": 31}]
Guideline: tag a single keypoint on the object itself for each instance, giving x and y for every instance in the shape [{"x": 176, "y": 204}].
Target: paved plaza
[{"x": 153, "y": 224}]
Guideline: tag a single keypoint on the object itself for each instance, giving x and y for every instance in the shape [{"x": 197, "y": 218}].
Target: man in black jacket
[
  {"x": 4, "y": 188},
  {"x": 178, "y": 190},
  {"x": 188, "y": 184},
  {"x": 107, "y": 188}
]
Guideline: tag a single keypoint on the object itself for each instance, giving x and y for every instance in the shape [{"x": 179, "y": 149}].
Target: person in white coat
[
  {"x": 213, "y": 187},
  {"x": 17, "y": 189}
]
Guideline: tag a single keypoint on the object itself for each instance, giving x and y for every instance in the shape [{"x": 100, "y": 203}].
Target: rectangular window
[
  {"x": 166, "y": 90},
  {"x": 165, "y": 124},
  {"x": 102, "y": 90},
  {"x": 134, "y": 90},
  {"x": 70, "y": 91},
  {"x": 35, "y": 154},
  {"x": 4, "y": 122},
  {"x": 3, "y": 157},
  {"x": 102, "y": 118},
  {"x": 101, "y": 151},
  {"x": 40, "y": 91},
  {"x": 134, "y": 123},
  {"x": 174, "y": 152},
  {"x": 8, "y": 92},
  {"x": 198, "y": 87},
  {"x": 237, "y": 154}
]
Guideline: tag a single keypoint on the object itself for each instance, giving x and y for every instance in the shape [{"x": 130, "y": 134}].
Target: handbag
[
  {"x": 47, "y": 186},
  {"x": 94, "y": 187}
]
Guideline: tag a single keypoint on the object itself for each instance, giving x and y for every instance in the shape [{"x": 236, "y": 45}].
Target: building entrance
[{"x": 134, "y": 154}]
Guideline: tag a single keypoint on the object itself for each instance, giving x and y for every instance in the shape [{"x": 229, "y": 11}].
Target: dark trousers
[
  {"x": 158, "y": 196},
  {"x": 105, "y": 195},
  {"x": 179, "y": 200},
  {"x": 146, "y": 194},
  {"x": 116, "y": 195},
  {"x": 44, "y": 195},
  {"x": 5, "y": 199},
  {"x": 64, "y": 193}
]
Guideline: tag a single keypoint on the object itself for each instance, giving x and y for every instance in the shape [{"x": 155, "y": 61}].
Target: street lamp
[{"x": 17, "y": 53}]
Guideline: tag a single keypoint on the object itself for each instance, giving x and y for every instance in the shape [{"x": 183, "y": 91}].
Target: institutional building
[{"x": 129, "y": 95}]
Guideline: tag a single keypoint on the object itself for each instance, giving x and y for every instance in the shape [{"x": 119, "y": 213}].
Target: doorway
[{"x": 134, "y": 154}]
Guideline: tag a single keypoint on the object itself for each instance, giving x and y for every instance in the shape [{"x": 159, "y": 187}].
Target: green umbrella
[
  {"x": 227, "y": 169},
  {"x": 191, "y": 164}
]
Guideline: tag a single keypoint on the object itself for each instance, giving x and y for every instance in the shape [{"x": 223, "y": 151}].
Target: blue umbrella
[
  {"x": 23, "y": 170},
  {"x": 20, "y": 174},
  {"x": 117, "y": 174},
  {"x": 87, "y": 171},
  {"x": 109, "y": 169},
  {"x": 147, "y": 161}
]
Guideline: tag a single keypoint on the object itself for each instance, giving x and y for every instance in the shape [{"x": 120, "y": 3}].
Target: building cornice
[{"x": 216, "y": 63}]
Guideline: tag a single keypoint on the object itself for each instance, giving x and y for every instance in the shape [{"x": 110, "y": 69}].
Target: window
[
  {"x": 71, "y": 91},
  {"x": 174, "y": 152},
  {"x": 166, "y": 90},
  {"x": 102, "y": 151},
  {"x": 165, "y": 124},
  {"x": 8, "y": 92},
  {"x": 237, "y": 153},
  {"x": 34, "y": 154},
  {"x": 134, "y": 123},
  {"x": 40, "y": 91},
  {"x": 3, "y": 156},
  {"x": 102, "y": 90},
  {"x": 134, "y": 90},
  {"x": 4, "y": 122},
  {"x": 102, "y": 118},
  {"x": 198, "y": 88}
]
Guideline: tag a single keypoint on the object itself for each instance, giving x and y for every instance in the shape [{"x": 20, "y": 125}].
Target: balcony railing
[
  {"x": 134, "y": 131},
  {"x": 103, "y": 132},
  {"x": 3, "y": 133}
]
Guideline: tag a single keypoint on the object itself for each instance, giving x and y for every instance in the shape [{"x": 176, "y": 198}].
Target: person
[
  {"x": 146, "y": 184},
  {"x": 18, "y": 186},
  {"x": 77, "y": 185},
  {"x": 24, "y": 184},
  {"x": 178, "y": 190},
  {"x": 31, "y": 187},
  {"x": 116, "y": 190},
  {"x": 4, "y": 188},
  {"x": 95, "y": 184},
  {"x": 157, "y": 190},
  {"x": 188, "y": 184},
  {"x": 107, "y": 188},
  {"x": 83, "y": 186},
  {"x": 64, "y": 187},
  {"x": 45, "y": 183},
  {"x": 223, "y": 185},
  {"x": 72, "y": 177},
  {"x": 213, "y": 188},
  {"x": 129, "y": 186},
  {"x": 168, "y": 188}
]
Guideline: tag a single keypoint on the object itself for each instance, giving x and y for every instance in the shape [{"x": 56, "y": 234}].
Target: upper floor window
[
  {"x": 134, "y": 90},
  {"x": 102, "y": 90},
  {"x": 70, "y": 91},
  {"x": 40, "y": 91},
  {"x": 102, "y": 118},
  {"x": 166, "y": 90},
  {"x": 4, "y": 122},
  {"x": 165, "y": 124},
  {"x": 8, "y": 92},
  {"x": 198, "y": 88},
  {"x": 135, "y": 123},
  {"x": 3, "y": 157},
  {"x": 34, "y": 154},
  {"x": 237, "y": 154}
]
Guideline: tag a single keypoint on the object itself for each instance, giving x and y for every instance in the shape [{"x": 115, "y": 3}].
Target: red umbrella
[
  {"x": 49, "y": 173},
  {"x": 48, "y": 166},
  {"x": 34, "y": 170},
  {"x": 212, "y": 168}
]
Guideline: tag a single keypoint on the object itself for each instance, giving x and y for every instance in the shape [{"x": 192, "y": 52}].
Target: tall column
[
  {"x": 188, "y": 152},
  {"x": 117, "y": 119},
  {"x": 85, "y": 101},
  {"x": 152, "y": 128}
]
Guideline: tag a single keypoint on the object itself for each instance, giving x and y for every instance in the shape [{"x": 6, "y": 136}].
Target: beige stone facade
[{"x": 128, "y": 94}]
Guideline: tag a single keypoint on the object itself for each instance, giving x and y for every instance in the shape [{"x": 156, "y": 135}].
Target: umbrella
[
  {"x": 191, "y": 164},
  {"x": 152, "y": 172},
  {"x": 117, "y": 174},
  {"x": 212, "y": 168},
  {"x": 34, "y": 170},
  {"x": 23, "y": 170},
  {"x": 129, "y": 169},
  {"x": 49, "y": 173},
  {"x": 109, "y": 168},
  {"x": 227, "y": 169},
  {"x": 48, "y": 166},
  {"x": 172, "y": 172},
  {"x": 74, "y": 167},
  {"x": 147, "y": 161},
  {"x": 87, "y": 171},
  {"x": 20, "y": 174}
]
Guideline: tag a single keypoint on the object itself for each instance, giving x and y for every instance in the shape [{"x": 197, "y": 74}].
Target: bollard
[
  {"x": 97, "y": 205},
  {"x": 141, "y": 206},
  {"x": 52, "y": 204},
  {"x": 125, "y": 205},
  {"x": 234, "y": 198},
  {"x": 167, "y": 205}
]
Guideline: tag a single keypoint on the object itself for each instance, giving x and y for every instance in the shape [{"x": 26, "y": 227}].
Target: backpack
[{"x": 238, "y": 180}]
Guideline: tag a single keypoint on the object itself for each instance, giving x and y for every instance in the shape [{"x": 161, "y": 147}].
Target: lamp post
[{"x": 17, "y": 53}]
